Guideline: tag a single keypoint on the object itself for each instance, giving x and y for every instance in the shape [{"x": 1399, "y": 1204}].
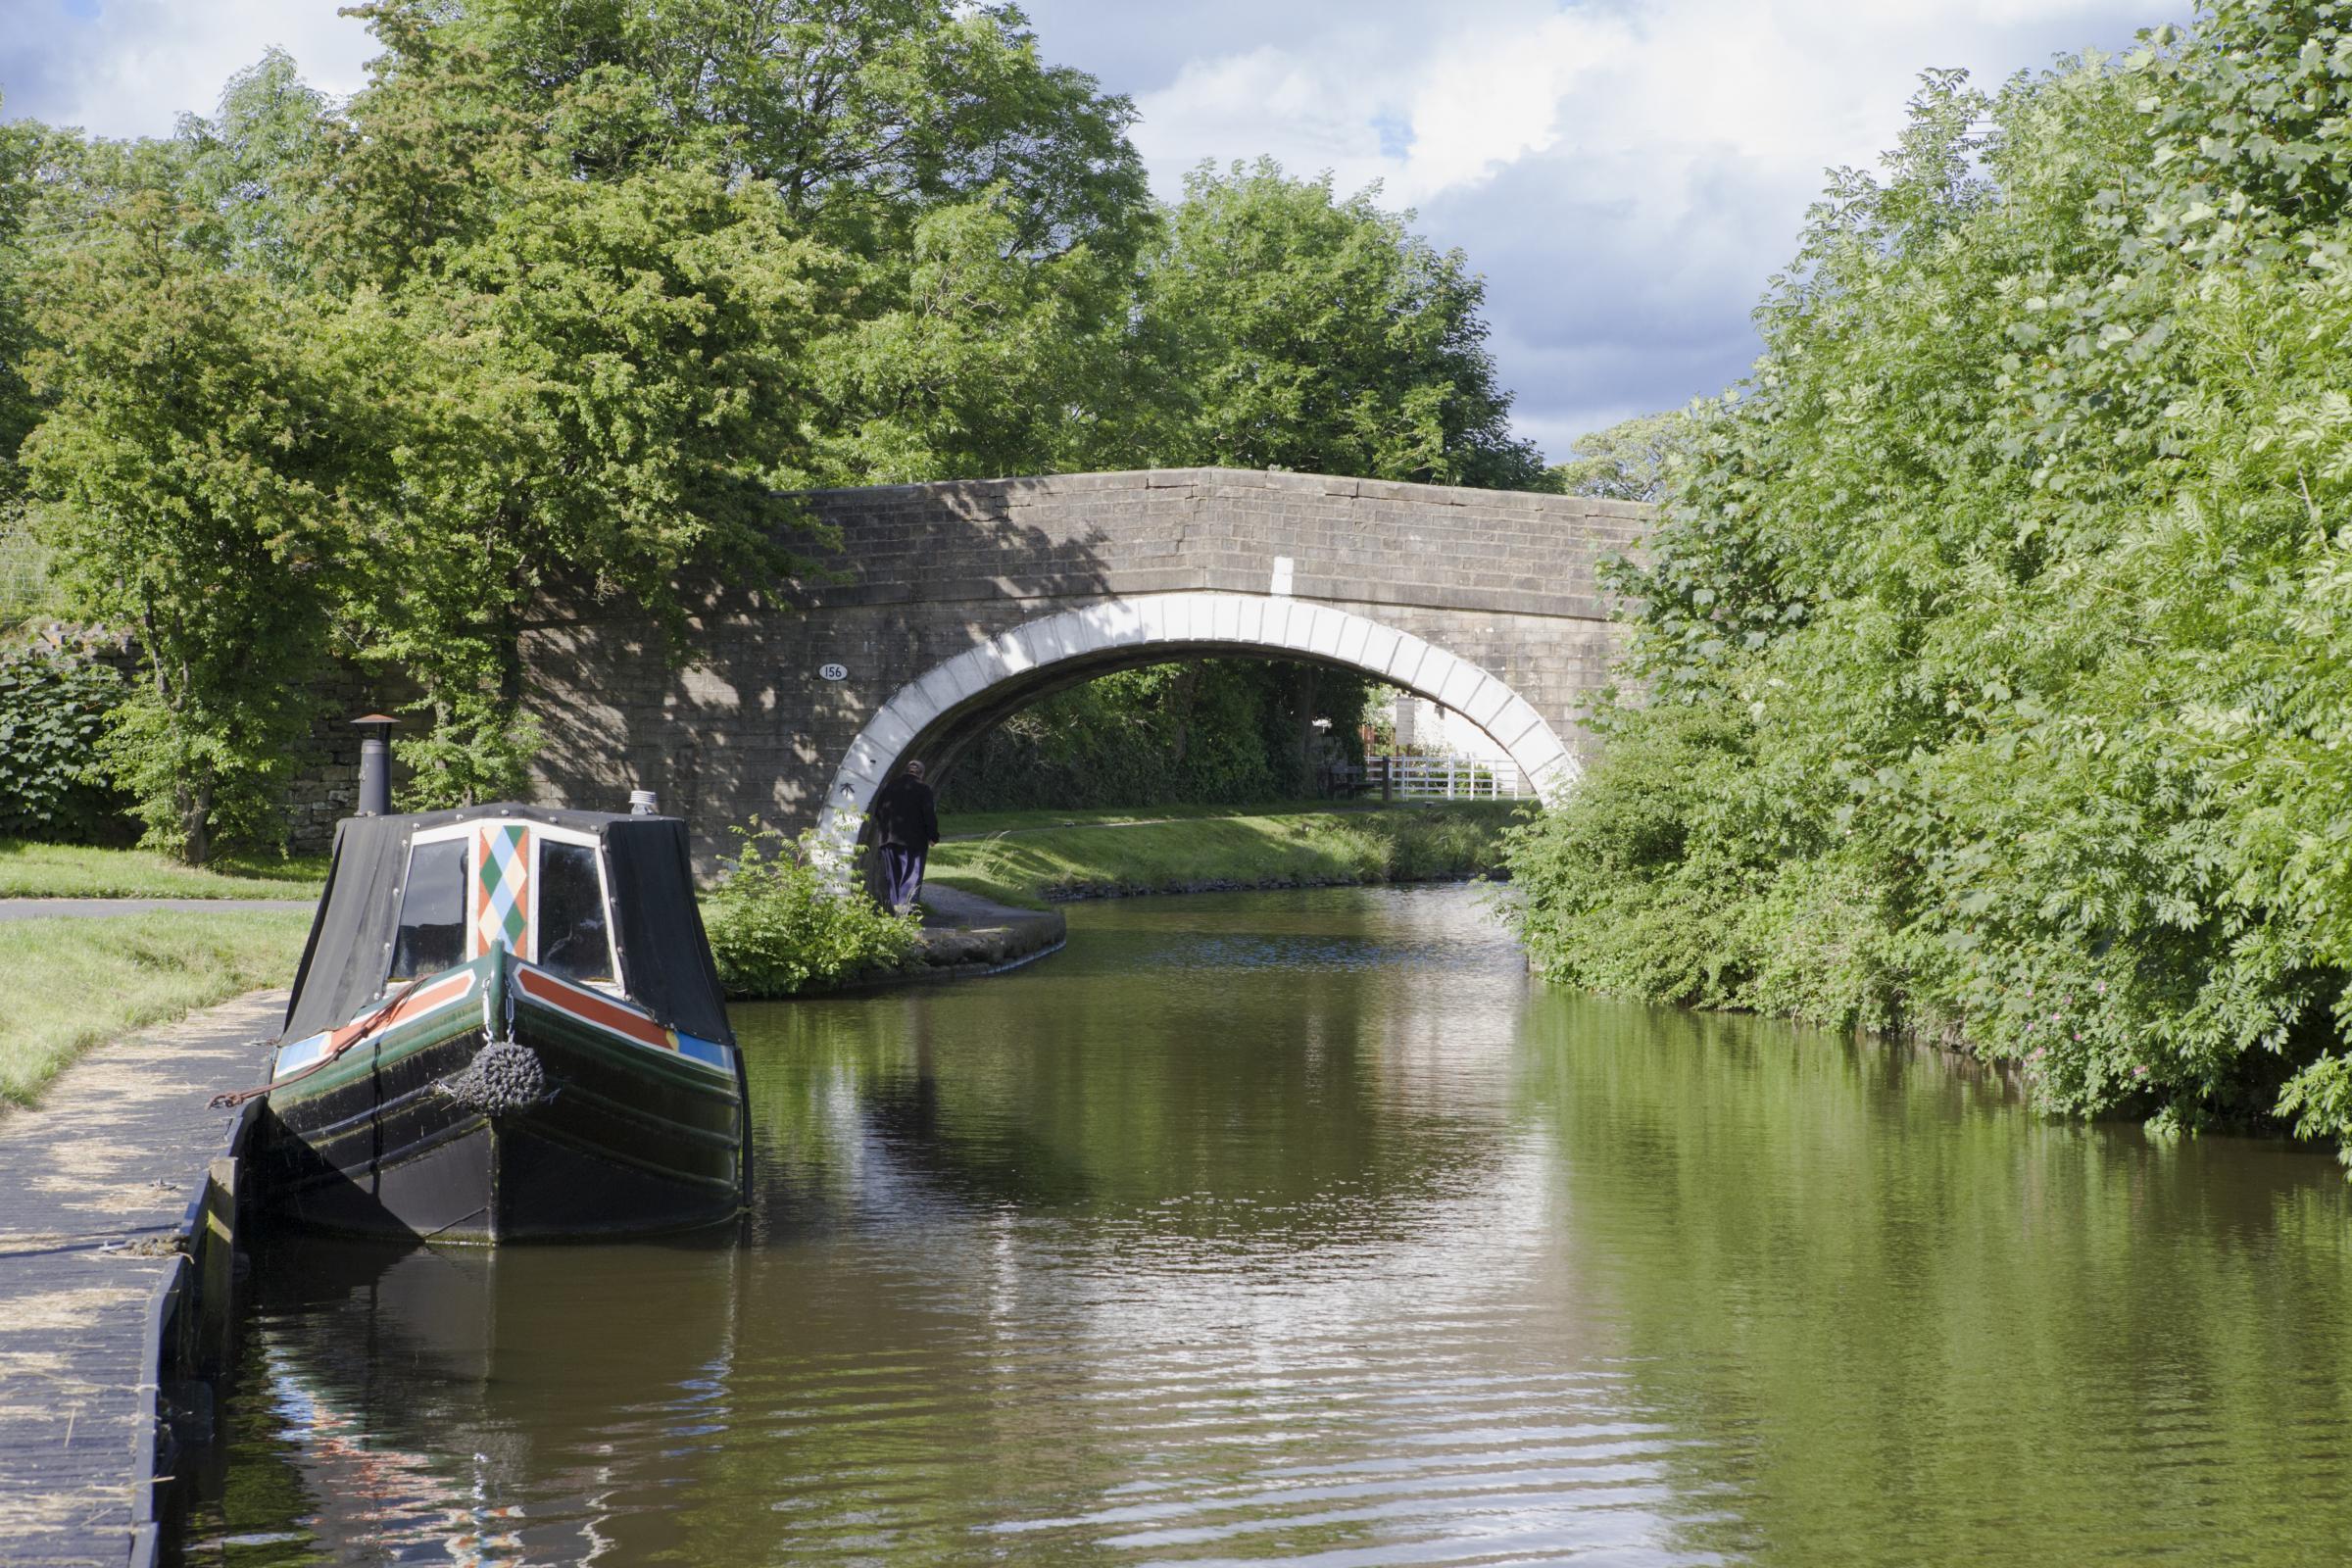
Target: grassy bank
[
  {"x": 73, "y": 983},
  {"x": 1086, "y": 855},
  {"x": 979, "y": 824},
  {"x": 29, "y": 870}
]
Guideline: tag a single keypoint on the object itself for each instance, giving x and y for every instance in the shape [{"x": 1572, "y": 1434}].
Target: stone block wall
[{"x": 1505, "y": 581}]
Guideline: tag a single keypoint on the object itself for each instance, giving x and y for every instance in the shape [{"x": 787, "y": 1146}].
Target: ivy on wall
[{"x": 53, "y": 709}]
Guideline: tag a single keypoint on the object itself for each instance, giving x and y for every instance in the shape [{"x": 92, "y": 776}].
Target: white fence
[{"x": 1442, "y": 778}]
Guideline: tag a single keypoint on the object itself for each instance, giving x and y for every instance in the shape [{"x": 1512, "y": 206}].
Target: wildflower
[{"x": 2140, "y": 1072}]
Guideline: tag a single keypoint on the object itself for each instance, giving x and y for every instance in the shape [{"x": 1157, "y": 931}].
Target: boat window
[
  {"x": 432, "y": 910},
  {"x": 572, "y": 938}
]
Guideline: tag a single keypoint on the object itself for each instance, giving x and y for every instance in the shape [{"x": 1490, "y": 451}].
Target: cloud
[
  {"x": 130, "y": 67},
  {"x": 1627, "y": 175}
]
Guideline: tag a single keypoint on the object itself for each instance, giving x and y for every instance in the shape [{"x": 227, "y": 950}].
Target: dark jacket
[{"x": 905, "y": 815}]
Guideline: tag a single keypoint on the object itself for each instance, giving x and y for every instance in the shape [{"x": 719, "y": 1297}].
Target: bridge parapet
[{"x": 1221, "y": 530}]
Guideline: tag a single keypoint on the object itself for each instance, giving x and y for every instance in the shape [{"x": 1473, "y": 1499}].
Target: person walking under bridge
[{"x": 906, "y": 821}]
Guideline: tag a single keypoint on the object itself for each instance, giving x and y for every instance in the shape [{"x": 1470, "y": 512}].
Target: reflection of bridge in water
[{"x": 955, "y": 605}]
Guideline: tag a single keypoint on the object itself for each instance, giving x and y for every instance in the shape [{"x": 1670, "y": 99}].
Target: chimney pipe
[{"x": 376, "y": 764}]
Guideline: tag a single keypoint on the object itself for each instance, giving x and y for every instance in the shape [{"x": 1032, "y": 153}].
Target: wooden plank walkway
[{"x": 95, "y": 1188}]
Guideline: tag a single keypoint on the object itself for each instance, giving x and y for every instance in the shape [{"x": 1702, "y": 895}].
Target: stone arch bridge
[{"x": 951, "y": 605}]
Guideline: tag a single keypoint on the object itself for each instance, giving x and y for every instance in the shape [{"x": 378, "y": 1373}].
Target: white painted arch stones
[{"x": 1051, "y": 649}]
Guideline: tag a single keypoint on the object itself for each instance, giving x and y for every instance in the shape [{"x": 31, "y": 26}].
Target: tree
[
  {"x": 861, "y": 116},
  {"x": 1627, "y": 462},
  {"x": 631, "y": 270},
  {"x": 994, "y": 361},
  {"x": 186, "y": 470},
  {"x": 19, "y": 146},
  {"x": 1295, "y": 329},
  {"x": 254, "y": 165},
  {"x": 604, "y": 389}
]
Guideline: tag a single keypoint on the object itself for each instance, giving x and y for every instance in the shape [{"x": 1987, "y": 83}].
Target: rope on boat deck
[{"x": 230, "y": 1100}]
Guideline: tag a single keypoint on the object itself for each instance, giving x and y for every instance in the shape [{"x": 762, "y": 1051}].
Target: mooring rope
[{"x": 230, "y": 1100}]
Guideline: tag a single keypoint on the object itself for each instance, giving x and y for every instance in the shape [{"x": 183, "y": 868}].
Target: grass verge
[
  {"x": 29, "y": 870},
  {"x": 1085, "y": 858},
  {"x": 73, "y": 984},
  {"x": 965, "y": 824}
]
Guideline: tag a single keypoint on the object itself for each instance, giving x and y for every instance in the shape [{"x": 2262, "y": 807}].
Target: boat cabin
[{"x": 602, "y": 899}]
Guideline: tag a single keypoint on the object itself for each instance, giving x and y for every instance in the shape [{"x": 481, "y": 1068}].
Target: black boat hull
[{"x": 396, "y": 1134}]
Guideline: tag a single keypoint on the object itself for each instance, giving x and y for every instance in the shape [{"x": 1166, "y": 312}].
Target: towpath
[
  {"x": 967, "y": 934},
  {"x": 95, "y": 1187}
]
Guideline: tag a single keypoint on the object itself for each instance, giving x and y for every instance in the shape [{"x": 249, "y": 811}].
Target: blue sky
[{"x": 1626, "y": 174}]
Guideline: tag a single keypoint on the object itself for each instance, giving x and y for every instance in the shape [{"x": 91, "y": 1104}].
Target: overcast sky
[{"x": 1626, "y": 173}]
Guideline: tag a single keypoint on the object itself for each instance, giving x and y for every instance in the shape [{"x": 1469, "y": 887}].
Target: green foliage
[
  {"x": 252, "y": 164},
  {"x": 1266, "y": 849},
  {"x": 1308, "y": 332},
  {"x": 24, "y": 590},
  {"x": 20, "y": 145},
  {"x": 188, "y": 466},
  {"x": 595, "y": 376},
  {"x": 988, "y": 361},
  {"x": 53, "y": 712},
  {"x": 1213, "y": 731},
  {"x": 1627, "y": 462},
  {"x": 781, "y": 923},
  {"x": 24, "y": 560},
  {"x": 1993, "y": 641}
]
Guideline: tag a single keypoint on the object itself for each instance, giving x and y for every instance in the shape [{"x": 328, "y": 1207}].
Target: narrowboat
[{"x": 507, "y": 1026}]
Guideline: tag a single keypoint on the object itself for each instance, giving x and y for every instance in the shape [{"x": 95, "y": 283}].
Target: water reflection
[{"x": 1303, "y": 1227}]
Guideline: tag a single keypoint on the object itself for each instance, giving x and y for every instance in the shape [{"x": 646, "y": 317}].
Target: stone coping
[{"x": 102, "y": 1186}]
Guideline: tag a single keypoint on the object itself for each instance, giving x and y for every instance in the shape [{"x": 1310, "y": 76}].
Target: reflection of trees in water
[
  {"x": 968, "y": 1307},
  {"x": 1904, "y": 1313},
  {"x": 1211, "y": 1094}
]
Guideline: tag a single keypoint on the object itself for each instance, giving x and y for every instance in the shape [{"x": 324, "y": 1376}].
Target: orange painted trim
[
  {"x": 416, "y": 1004},
  {"x": 595, "y": 1007}
]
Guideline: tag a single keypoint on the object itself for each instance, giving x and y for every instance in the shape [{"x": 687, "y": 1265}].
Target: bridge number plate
[{"x": 834, "y": 671}]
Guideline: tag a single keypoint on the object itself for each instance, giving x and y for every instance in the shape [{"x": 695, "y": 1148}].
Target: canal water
[{"x": 1305, "y": 1227}]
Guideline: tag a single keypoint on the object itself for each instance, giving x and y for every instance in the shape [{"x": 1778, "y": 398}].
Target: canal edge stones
[{"x": 118, "y": 1269}]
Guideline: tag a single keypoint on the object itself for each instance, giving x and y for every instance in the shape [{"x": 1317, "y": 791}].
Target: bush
[
  {"x": 53, "y": 711},
  {"x": 1216, "y": 732},
  {"x": 1994, "y": 644},
  {"x": 781, "y": 923}
]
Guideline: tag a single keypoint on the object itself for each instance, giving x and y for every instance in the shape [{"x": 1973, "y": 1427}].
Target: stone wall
[
  {"x": 1502, "y": 580},
  {"x": 327, "y": 788}
]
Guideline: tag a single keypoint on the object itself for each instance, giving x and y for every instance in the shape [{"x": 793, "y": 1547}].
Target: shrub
[
  {"x": 782, "y": 923},
  {"x": 53, "y": 711},
  {"x": 1993, "y": 649}
]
